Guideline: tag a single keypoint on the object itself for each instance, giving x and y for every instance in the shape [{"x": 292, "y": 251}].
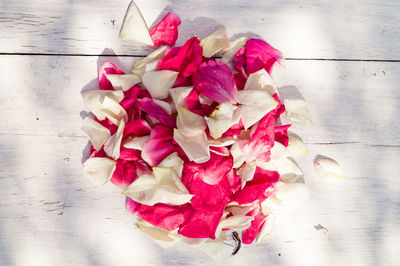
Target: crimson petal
[{"x": 166, "y": 31}]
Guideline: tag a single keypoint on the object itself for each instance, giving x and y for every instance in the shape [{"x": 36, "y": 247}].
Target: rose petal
[
  {"x": 261, "y": 80},
  {"x": 200, "y": 224},
  {"x": 97, "y": 134},
  {"x": 195, "y": 147},
  {"x": 166, "y": 31},
  {"x": 185, "y": 60},
  {"x": 134, "y": 27},
  {"x": 223, "y": 151},
  {"x": 161, "y": 215},
  {"x": 236, "y": 209},
  {"x": 93, "y": 100},
  {"x": 124, "y": 174},
  {"x": 297, "y": 111},
  {"x": 236, "y": 222},
  {"x": 215, "y": 80},
  {"x": 231, "y": 50},
  {"x": 255, "y": 105},
  {"x": 328, "y": 168},
  {"x": 158, "y": 147},
  {"x": 105, "y": 69},
  {"x": 266, "y": 229},
  {"x": 221, "y": 119},
  {"x": 158, "y": 83},
  {"x": 221, "y": 142},
  {"x": 156, "y": 111},
  {"x": 113, "y": 144},
  {"x": 154, "y": 56},
  {"x": 123, "y": 81},
  {"x": 296, "y": 146},
  {"x": 113, "y": 111},
  {"x": 260, "y": 54},
  {"x": 138, "y": 127},
  {"x": 99, "y": 170},
  {"x": 215, "y": 42},
  {"x": 158, "y": 235},
  {"x": 250, "y": 234},
  {"x": 281, "y": 134},
  {"x": 136, "y": 143},
  {"x": 246, "y": 172},
  {"x": 179, "y": 95},
  {"x": 188, "y": 123}
]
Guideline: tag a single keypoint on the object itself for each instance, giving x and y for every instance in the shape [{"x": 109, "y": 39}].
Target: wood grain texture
[
  {"x": 49, "y": 214},
  {"x": 363, "y": 29}
]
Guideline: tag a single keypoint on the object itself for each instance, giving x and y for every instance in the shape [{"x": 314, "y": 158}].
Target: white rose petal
[
  {"x": 136, "y": 143},
  {"x": 267, "y": 228},
  {"x": 328, "y": 168},
  {"x": 113, "y": 111},
  {"x": 93, "y": 100},
  {"x": 134, "y": 27},
  {"x": 296, "y": 146},
  {"x": 220, "y": 120},
  {"x": 236, "y": 222},
  {"x": 246, "y": 172},
  {"x": 123, "y": 81},
  {"x": 140, "y": 66},
  {"x": 234, "y": 47},
  {"x": 189, "y": 123},
  {"x": 99, "y": 170},
  {"x": 160, "y": 236},
  {"x": 158, "y": 83},
  {"x": 221, "y": 142},
  {"x": 113, "y": 144},
  {"x": 261, "y": 80},
  {"x": 179, "y": 95},
  {"x": 196, "y": 146},
  {"x": 97, "y": 133},
  {"x": 297, "y": 111},
  {"x": 215, "y": 42}
]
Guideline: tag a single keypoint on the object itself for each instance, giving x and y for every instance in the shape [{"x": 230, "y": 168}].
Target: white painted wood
[
  {"x": 51, "y": 215},
  {"x": 362, "y": 29}
]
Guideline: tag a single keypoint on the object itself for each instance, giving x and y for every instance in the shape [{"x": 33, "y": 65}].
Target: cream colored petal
[
  {"x": 215, "y": 42},
  {"x": 189, "y": 123},
  {"x": 158, "y": 83},
  {"x": 255, "y": 105},
  {"x": 134, "y": 27},
  {"x": 261, "y": 80},
  {"x": 271, "y": 204},
  {"x": 291, "y": 193},
  {"x": 267, "y": 228},
  {"x": 220, "y": 120},
  {"x": 237, "y": 154},
  {"x": 233, "y": 48},
  {"x": 113, "y": 111},
  {"x": 288, "y": 170},
  {"x": 136, "y": 143},
  {"x": 237, "y": 222},
  {"x": 97, "y": 133},
  {"x": 152, "y": 66},
  {"x": 159, "y": 195},
  {"x": 113, "y": 144},
  {"x": 240, "y": 209},
  {"x": 98, "y": 169},
  {"x": 221, "y": 142},
  {"x": 296, "y": 110},
  {"x": 328, "y": 169},
  {"x": 157, "y": 234},
  {"x": 194, "y": 242},
  {"x": 213, "y": 248},
  {"x": 246, "y": 172},
  {"x": 140, "y": 66},
  {"x": 123, "y": 81},
  {"x": 296, "y": 146},
  {"x": 179, "y": 95},
  {"x": 93, "y": 100},
  {"x": 173, "y": 161},
  {"x": 196, "y": 147}
]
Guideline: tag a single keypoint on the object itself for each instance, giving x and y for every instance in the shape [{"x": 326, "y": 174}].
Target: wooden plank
[
  {"x": 349, "y": 101},
  {"x": 363, "y": 29},
  {"x": 49, "y": 214}
]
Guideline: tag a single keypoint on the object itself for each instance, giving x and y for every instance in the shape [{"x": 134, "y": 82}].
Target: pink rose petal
[
  {"x": 215, "y": 80},
  {"x": 159, "y": 146},
  {"x": 255, "y": 188},
  {"x": 166, "y": 31},
  {"x": 161, "y": 215},
  {"x": 281, "y": 134},
  {"x": 124, "y": 174},
  {"x": 260, "y": 54},
  {"x": 185, "y": 59},
  {"x": 156, "y": 111},
  {"x": 129, "y": 155},
  {"x": 250, "y": 233},
  {"x": 107, "y": 68},
  {"x": 137, "y": 128}
]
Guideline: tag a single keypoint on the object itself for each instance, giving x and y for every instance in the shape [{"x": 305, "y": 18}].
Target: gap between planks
[{"x": 137, "y": 55}]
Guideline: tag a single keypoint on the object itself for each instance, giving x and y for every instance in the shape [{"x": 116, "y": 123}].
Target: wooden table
[{"x": 344, "y": 57}]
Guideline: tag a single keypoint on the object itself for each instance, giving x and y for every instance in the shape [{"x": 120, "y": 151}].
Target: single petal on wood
[
  {"x": 158, "y": 83},
  {"x": 134, "y": 27},
  {"x": 99, "y": 169},
  {"x": 215, "y": 42},
  {"x": 97, "y": 133},
  {"x": 123, "y": 81},
  {"x": 328, "y": 168},
  {"x": 113, "y": 145},
  {"x": 261, "y": 80},
  {"x": 297, "y": 111}
]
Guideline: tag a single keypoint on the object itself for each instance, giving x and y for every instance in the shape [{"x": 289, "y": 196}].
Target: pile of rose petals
[{"x": 193, "y": 135}]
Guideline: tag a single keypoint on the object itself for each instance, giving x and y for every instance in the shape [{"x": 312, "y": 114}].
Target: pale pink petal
[{"x": 99, "y": 170}]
